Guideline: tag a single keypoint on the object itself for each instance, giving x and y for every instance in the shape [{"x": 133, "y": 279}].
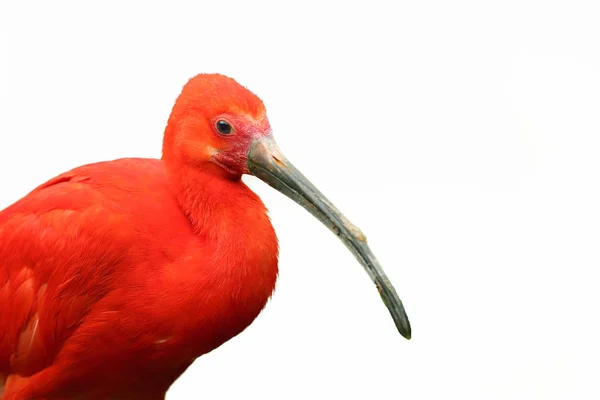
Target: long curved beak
[{"x": 266, "y": 162}]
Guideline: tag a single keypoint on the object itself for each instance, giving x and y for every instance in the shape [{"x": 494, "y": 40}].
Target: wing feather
[{"x": 59, "y": 247}]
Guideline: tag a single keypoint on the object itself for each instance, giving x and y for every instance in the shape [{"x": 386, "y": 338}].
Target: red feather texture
[{"x": 116, "y": 276}]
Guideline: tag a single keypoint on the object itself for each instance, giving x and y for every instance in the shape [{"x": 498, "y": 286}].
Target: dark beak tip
[
  {"x": 404, "y": 328},
  {"x": 406, "y": 332}
]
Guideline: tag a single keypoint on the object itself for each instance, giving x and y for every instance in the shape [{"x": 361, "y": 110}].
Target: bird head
[
  {"x": 213, "y": 123},
  {"x": 221, "y": 127}
]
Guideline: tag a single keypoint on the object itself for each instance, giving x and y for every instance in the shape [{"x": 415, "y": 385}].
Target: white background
[{"x": 462, "y": 137}]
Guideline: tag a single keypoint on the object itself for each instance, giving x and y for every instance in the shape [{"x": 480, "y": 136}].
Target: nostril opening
[{"x": 278, "y": 161}]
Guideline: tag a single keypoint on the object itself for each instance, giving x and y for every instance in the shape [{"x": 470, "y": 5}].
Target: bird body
[
  {"x": 116, "y": 276},
  {"x": 112, "y": 295}
]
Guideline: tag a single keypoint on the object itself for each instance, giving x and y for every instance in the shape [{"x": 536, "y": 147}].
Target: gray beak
[{"x": 266, "y": 162}]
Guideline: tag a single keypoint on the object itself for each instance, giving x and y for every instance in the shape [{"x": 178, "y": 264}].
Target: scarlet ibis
[{"x": 115, "y": 276}]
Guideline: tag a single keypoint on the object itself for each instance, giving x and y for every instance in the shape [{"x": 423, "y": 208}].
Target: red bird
[{"x": 116, "y": 276}]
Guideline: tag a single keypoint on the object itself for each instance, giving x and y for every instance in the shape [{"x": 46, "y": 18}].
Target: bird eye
[{"x": 223, "y": 127}]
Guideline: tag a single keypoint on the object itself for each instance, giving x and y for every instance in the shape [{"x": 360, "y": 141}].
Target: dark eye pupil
[{"x": 223, "y": 127}]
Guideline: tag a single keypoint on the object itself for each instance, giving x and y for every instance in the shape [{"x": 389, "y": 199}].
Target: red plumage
[{"x": 114, "y": 277}]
